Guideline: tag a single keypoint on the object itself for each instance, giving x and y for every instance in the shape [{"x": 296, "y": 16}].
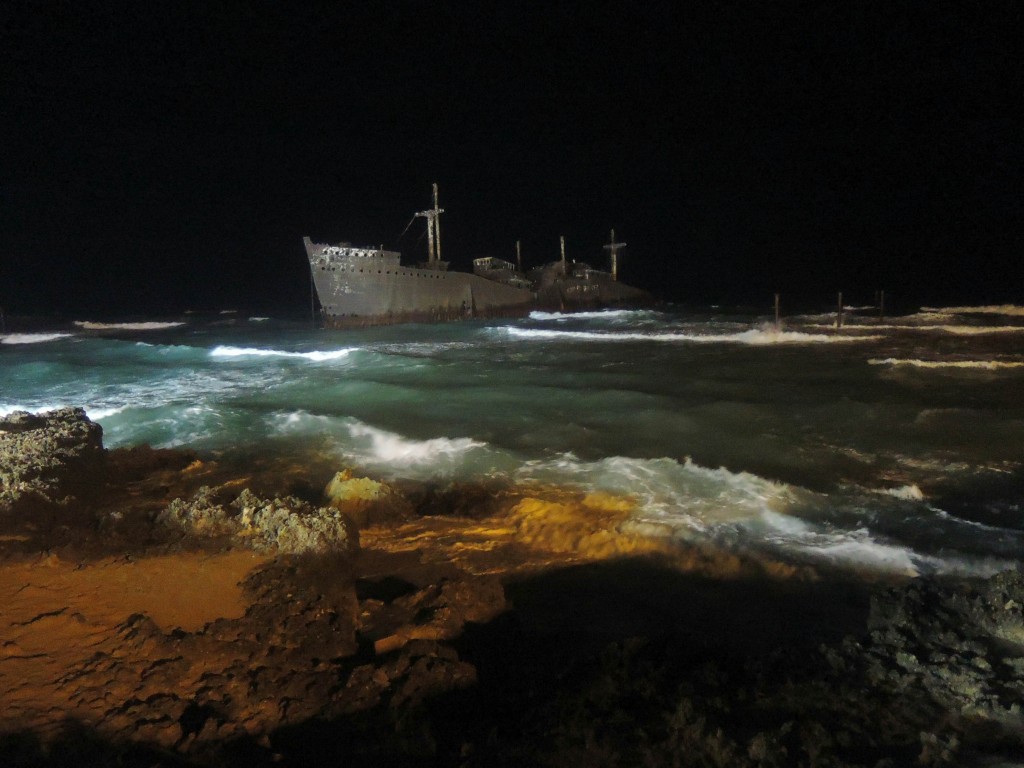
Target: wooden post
[
  {"x": 839, "y": 311},
  {"x": 776, "y": 311},
  {"x": 519, "y": 257},
  {"x": 561, "y": 240},
  {"x": 881, "y": 305}
]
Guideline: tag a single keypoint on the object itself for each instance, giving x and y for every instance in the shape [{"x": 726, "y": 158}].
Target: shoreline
[{"x": 470, "y": 625}]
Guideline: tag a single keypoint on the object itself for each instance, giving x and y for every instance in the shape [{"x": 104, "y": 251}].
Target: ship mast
[
  {"x": 433, "y": 217},
  {"x": 614, "y": 248}
]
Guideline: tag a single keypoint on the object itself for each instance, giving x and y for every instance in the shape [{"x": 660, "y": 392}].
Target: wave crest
[
  {"x": 990, "y": 309},
  {"x": 31, "y": 338},
  {"x": 984, "y": 365},
  {"x": 89, "y": 325},
  {"x": 754, "y": 336},
  {"x": 315, "y": 355}
]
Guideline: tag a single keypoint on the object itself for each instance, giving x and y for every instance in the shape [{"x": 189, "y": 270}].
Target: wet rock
[
  {"x": 436, "y": 612},
  {"x": 288, "y": 525},
  {"x": 142, "y": 461},
  {"x": 293, "y": 659},
  {"x": 955, "y": 644},
  {"x": 366, "y": 501},
  {"x": 472, "y": 500},
  {"x": 51, "y": 458}
]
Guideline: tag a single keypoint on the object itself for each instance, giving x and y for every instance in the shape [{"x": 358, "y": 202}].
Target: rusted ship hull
[{"x": 367, "y": 286}]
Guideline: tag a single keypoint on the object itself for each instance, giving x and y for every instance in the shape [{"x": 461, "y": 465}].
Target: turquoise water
[{"x": 895, "y": 445}]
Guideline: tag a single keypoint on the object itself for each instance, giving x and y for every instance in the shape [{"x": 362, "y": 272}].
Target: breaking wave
[
  {"x": 905, "y": 492},
  {"x": 99, "y": 414},
  {"x": 754, "y": 336},
  {"x": 6, "y": 409},
  {"x": 315, "y": 355},
  {"x": 984, "y": 365},
  {"x": 394, "y": 450},
  {"x": 977, "y": 330},
  {"x": 605, "y": 314},
  {"x": 93, "y": 412},
  {"x": 990, "y": 309},
  {"x": 148, "y": 326},
  {"x": 31, "y": 338},
  {"x": 957, "y": 330},
  {"x": 389, "y": 454},
  {"x": 688, "y": 502}
]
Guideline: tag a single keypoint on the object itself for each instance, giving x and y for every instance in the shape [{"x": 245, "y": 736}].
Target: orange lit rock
[{"x": 366, "y": 501}]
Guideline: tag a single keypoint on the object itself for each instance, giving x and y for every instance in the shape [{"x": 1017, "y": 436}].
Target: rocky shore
[{"x": 164, "y": 608}]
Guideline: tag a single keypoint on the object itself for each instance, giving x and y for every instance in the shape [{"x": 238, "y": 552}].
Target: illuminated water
[{"x": 896, "y": 444}]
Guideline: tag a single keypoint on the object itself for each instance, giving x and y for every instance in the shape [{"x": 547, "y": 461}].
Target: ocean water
[{"x": 892, "y": 445}]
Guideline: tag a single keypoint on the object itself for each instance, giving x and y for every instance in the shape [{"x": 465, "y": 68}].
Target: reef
[
  {"x": 166, "y": 608},
  {"x": 47, "y": 460}
]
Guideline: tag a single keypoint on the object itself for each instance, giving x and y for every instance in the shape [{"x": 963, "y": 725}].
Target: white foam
[
  {"x": 860, "y": 549},
  {"x": 94, "y": 413},
  {"x": 98, "y": 414},
  {"x": 148, "y": 326},
  {"x": 754, "y": 336},
  {"x": 299, "y": 422},
  {"x": 957, "y": 330},
  {"x": 972, "y": 523},
  {"x": 978, "y": 330},
  {"x": 965, "y": 565},
  {"x": 316, "y": 355},
  {"x": 31, "y": 338},
  {"x": 390, "y": 454},
  {"x": 258, "y": 319},
  {"x": 985, "y": 365},
  {"x": 990, "y": 309},
  {"x": 394, "y": 450},
  {"x": 689, "y": 502},
  {"x": 8, "y": 408},
  {"x": 906, "y": 492},
  {"x": 603, "y": 314},
  {"x": 683, "y": 496}
]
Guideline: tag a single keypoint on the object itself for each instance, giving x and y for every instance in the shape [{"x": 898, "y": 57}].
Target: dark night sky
[{"x": 156, "y": 157}]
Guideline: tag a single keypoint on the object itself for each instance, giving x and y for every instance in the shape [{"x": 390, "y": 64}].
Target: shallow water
[{"x": 894, "y": 445}]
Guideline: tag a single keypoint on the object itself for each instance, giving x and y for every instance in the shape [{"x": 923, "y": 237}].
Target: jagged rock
[
  {"x": 142, "y": 461},
  {"x": 49, "y": 457},
  {"x": 288, "y": 525},
  {"x": 436, "y": 612},
  {"x": 473, "y": 500},
  {"x": 365, "y": 501}
]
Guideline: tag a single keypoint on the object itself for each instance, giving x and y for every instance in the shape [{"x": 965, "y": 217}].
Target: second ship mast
[{"x": 433, "y": 217}]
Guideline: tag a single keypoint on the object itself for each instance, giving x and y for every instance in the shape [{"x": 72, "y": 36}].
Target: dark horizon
[{"x": 160, "y": 159}]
